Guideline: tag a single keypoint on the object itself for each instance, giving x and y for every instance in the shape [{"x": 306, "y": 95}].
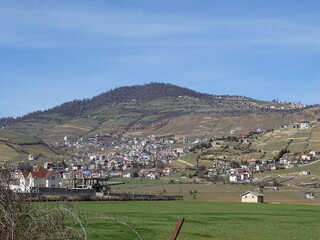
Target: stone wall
[{"x": 61, "y": 191}]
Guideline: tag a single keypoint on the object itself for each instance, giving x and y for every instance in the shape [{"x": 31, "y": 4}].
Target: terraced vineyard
[
  {"x": 16, "y": 146},
  {"x": 260, "y": 146}
]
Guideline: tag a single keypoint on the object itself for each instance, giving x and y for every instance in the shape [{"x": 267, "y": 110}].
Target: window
[
  {"x": 246, "y": 196},
  {"x": 53, "y": 177},
  {"x": 53, "y": 185},
  {"x": 252, "y": 196}
]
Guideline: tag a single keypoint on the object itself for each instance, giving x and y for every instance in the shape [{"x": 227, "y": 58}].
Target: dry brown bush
[{"x": 22, "y": 219}]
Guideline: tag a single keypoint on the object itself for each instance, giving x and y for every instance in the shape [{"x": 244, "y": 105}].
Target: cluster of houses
[
  {"x": 245, "y": 173},
  {"x": 302, "y": 125},
  {"x": 131, "y": 153},
  {"x": 127, "y": 154},
  {"x": 239, "y": 175},
  {"x": 290, "y": 105},
  {"x": 308, "y": 157},
  {"x": 109, "y": 141},
  {"x": 145, "y": 159},
  {"x": 49, "y": 176}
]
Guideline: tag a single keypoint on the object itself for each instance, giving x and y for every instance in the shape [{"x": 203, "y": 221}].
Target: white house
[
  {"x": 126, "y": 175},
  {"x": 239, "y": 177},
  {"x": 314, "y": 153},
  {"x": 39, "y": 177},
  {"x": 259, "y": 168},
  {"x": 310, "y": 195},
  {"x": 252, "y": 197},
  {"x": 32, "y": 157},
  {"x": 305, "y": 125},
  {"x": 66, "y": 138},
  {"x": 283, "y": 161},
  {"x": 233, "y": 178},
  {"x": 306, "y": 157}
]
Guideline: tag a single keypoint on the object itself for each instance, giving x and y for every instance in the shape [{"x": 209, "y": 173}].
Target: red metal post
[{"x": 177, "y": 229}]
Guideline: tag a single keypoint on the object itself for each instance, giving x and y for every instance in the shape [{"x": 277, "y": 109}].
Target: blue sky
[{"x": 57, "y": 51}]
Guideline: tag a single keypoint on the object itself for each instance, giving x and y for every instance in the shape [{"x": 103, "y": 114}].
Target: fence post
[{"x": 177, "y": 229}]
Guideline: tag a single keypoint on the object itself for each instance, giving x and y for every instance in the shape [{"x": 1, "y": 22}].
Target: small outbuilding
[
  {"x": 310, "y": 195},
  {"x": 252, "y": 197}
]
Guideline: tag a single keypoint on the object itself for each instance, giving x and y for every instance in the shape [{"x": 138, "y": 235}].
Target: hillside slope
[
  {"x": 16, "y": 146},
  {"x": 157, "y": 108}
]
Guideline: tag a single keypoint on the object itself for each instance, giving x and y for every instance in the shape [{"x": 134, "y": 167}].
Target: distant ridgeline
[
  {"x": 151, "y": 106},
  {"x": 149, "y": 92}
]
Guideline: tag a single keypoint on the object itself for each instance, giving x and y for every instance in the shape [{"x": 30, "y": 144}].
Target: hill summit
[
  {"x": 147, "y": 92},
  {"x": 156, "y": 108}
]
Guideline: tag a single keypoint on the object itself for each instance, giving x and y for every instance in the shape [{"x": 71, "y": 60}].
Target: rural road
[{"x": 182, "y": 161}]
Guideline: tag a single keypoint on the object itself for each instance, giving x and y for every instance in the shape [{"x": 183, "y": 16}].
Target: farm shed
[
  {"x": 252, "y": 197},
  {"x": 310, "y": 195}
]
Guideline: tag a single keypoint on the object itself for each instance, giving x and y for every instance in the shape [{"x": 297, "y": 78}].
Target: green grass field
[{"x": 203, "y": 220}]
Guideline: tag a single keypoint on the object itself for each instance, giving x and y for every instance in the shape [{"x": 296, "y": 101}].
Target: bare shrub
[{"x": 22, "y": 219}]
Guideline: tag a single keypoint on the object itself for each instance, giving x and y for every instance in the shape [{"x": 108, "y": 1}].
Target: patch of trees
[
  {"x": 201, "y": 146},
  {"x": 6, "y": 121},
  {"x": 216, "y": 179},
  {"x": 232, "y": 139},
  {"x": 281, "y": 153},
  {"x": 201, "y": 171}
]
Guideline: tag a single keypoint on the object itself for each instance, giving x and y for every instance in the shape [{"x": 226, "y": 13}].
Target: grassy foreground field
[{"x": 204, "y": 220}]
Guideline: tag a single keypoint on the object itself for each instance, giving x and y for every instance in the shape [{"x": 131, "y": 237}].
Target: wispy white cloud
[
  {"x": 52, "y": 48},
  {"x": 65, "y": 26},
  {"x": 58, "y": 26}
]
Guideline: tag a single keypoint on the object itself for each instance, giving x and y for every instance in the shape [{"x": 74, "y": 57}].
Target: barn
[{"x": 252, "y": 197}]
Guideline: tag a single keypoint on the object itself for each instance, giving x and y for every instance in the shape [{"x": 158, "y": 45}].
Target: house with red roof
[{"x": 39, "y": 177}]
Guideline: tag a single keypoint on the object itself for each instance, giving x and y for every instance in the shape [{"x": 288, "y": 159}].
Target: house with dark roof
[
  {"x": 39, "y": 177},
  {"x": 252, "y": 197}
]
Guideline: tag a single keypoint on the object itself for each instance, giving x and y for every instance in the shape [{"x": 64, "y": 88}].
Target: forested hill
[
  {"x": 140, "y": 106},
  {"x": 147, "y": 92}
]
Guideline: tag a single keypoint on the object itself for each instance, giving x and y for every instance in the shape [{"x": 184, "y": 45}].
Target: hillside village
[
  {"x": 130, "y": 158},
  {"x": 157, "y": 132},
  {"x": 156, "y": 120},
  {"x": 93, "y": 162}
]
